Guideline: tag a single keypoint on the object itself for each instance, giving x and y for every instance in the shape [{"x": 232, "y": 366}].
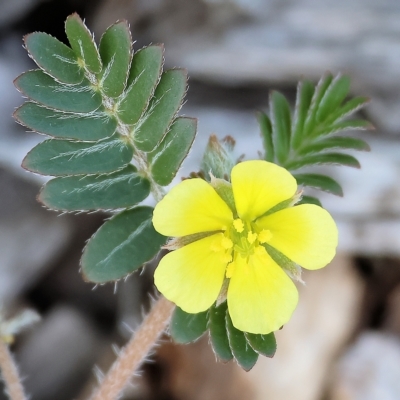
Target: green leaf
[
  {"x": 166, "y": 102},
  {"x": 337, "y": 142},
  {"x": 115, "y": 51},
  {"x": 353, "y": 124},
  {"x": 43, "y": 89},
  {"x": 167, "y": 157},
  {"x": 281, "y": 125},
  {"x": 325, "y": 158},
  {"x": 186, "y": 328},
  {"x": 242, "y": 351},
  {"x": 145, "y": 72},
  {"x": 321, "y": 182},
  {"x": 54, "y": 57},
  {"x": 121, "y": 246},
  {"x": 121, "y": 189},
  {"x": 310, "y": 200},
  {"x": 91, "y": 127},
  {"x": 350, "y": 107},
  {"x": 266, "y": 133},
  {"x": 62, "y": 157},
  {"x": 262, "y": 344},
  {"x": 333, "y": 97},
  {"x": 305, "y": 92},
  {"x": 320, "y": 90},
  {"x": 82, "y": 43},
  {"x": 218, "y": 332}
]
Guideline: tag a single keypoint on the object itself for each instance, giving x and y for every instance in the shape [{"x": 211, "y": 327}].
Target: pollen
[
  {"x": 264, "y": 236},
  {"x": 226, "y": 243},
  {"x": 238, "y": 224},
  {"x": 251, "y": 237}
]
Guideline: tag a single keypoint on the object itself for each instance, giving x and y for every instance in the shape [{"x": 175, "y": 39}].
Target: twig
[
  {"x": 135, "y": 351},
  {"x": 9, "y": 374}
]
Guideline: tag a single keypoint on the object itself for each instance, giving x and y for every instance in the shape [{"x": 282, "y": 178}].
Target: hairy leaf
[
  {"x": 90, "y": 126},
  {"x": 115, "y": 51},
  {"x": 54, "y": 57},
  {"x": 167, "y": 157},
  {"x": 120, "y": 189},
  {"x": 186, "y": 328},
  {"x": 82, "y": 43},
  {"x": 281, "y": 125},
  {"x": 266, "y": 133},
  {"x": 62, "y": 157},
  {"x": 121, "y": 246},
  {"x": 242, "y": 351},
  {"x": 336, "y": 142},
  {"x": 324, "y": 158},
  {"x": 42, "y": 88},
  {"x": 145, "y": 72},
  {"x": 167, "y": 100},
  {"x": 218, "y": 332},
  {"x": 321, "y": 182},
  {"x": 262, "y": 344}
]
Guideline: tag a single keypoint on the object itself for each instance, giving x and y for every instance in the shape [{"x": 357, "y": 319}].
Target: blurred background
[{"x": 343, "y": 342}]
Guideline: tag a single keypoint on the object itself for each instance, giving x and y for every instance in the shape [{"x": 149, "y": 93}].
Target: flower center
[{"x": 242, "y": 239}]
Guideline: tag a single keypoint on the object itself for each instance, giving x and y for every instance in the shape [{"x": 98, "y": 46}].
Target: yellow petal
[
  {"x": 261, "y": 297},
  {"x": 190, "y": 207},
  {"x": 306, "y": 234},
  {"x": 192, "y": 276},
  {"x": 258, "y": 186}
]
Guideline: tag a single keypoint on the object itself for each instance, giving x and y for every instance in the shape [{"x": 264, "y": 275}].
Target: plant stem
[
  {"x": 135, "y": 351},
  {"x": 9, "y": 374}
]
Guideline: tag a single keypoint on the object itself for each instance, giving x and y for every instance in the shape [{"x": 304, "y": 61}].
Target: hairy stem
[
  {"x": 135, "y": 351},
  {"x": 9, "y": 374}
]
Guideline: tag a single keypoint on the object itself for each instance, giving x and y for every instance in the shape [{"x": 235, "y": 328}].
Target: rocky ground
[{"x": 343, "y": 342}]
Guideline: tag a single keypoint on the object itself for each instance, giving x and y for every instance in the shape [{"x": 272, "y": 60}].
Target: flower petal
[
  {"x": 306, "y": 234},
  {"x": 190, "y": 207},
  {"x": 261, "y": 297},
  {"x": 192, "y": 276},
  {"x": 258, "y": 186}
]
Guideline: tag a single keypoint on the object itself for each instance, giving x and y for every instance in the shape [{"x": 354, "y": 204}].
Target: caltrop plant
[{"x": 240, "y": 232}]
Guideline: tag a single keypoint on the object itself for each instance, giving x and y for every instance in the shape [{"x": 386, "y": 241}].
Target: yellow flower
[{"x": 231, "y": 245}]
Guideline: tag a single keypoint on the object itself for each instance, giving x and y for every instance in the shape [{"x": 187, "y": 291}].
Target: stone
[
  {"x": 57, "y": 357},
  {"x": 369, "y": 369}
]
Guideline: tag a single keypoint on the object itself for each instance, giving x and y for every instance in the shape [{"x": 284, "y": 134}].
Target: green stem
[{"x": 135, "y": 352}]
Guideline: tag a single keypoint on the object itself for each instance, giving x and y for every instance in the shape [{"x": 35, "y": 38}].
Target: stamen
[
  {"x": 251, "y": 237},
  {"x": 238, "y": 224},
  {"x": 226, "y": 243}
]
